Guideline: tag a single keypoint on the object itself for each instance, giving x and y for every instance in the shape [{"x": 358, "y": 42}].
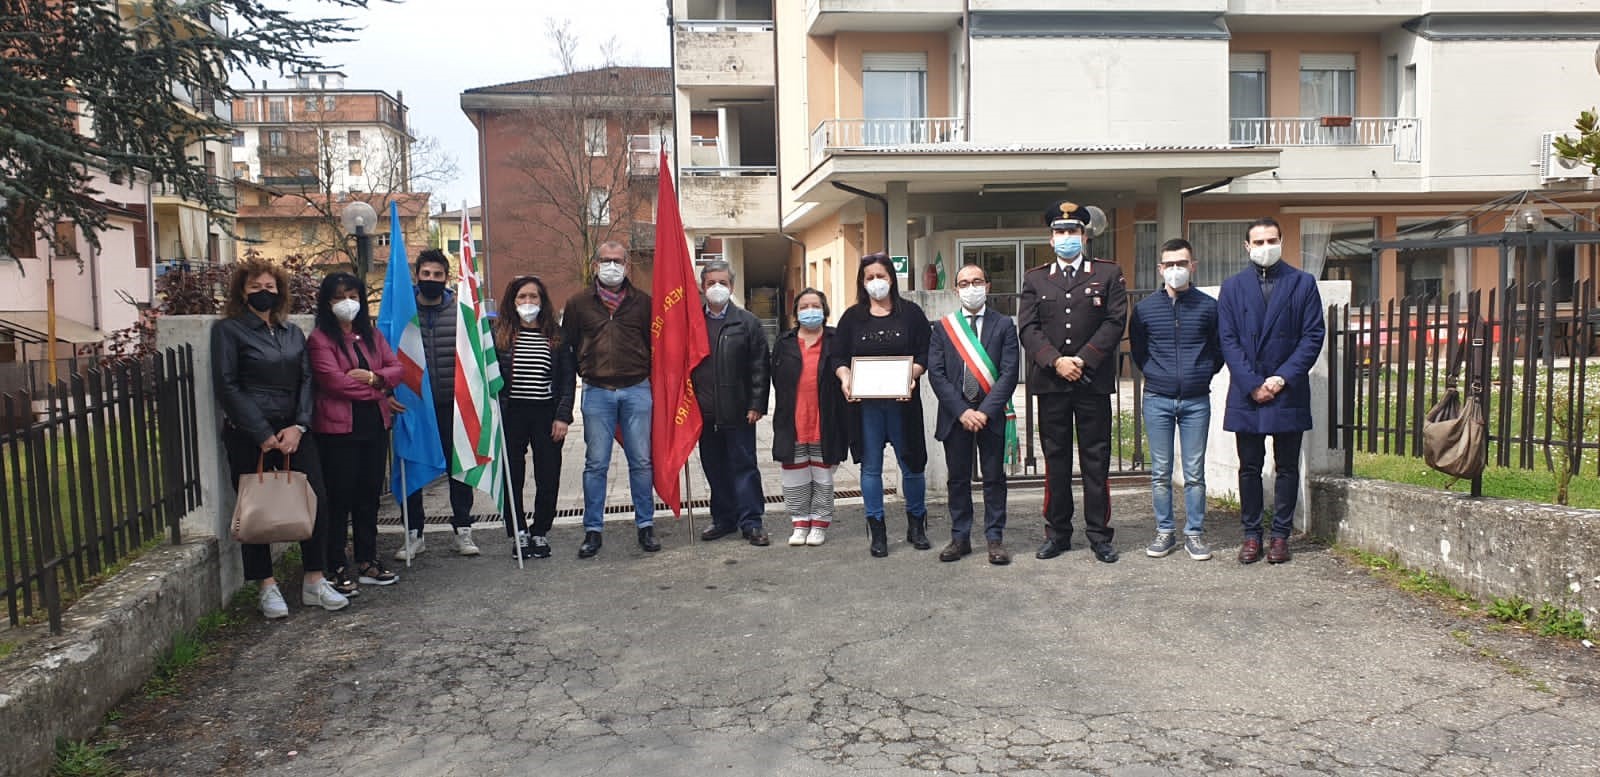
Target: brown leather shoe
[
  {"x": 1278, "y": 550},
  {"x": 757, "y": 537},
  {"x": 1250, "y": 551},
  {"x": 998, "y": 555},
  {"x": 955, "y": 550}
]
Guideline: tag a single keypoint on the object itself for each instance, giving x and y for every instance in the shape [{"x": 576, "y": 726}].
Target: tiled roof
[
  {"x": 640, "y": 80},
  {"x": 1025, "y": 148}
]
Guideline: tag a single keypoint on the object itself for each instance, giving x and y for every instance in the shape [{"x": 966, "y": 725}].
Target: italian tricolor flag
[{"x": 477, "y": 440}]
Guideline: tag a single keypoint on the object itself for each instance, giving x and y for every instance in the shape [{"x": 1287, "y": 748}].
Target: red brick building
[{"x": 567, "y": 162}]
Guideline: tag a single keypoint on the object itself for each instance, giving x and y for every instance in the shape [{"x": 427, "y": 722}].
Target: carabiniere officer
[{"x": 1071, "y": 318}]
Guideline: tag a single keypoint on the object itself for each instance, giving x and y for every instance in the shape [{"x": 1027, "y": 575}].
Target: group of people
[{"x": 322, "y": 404}]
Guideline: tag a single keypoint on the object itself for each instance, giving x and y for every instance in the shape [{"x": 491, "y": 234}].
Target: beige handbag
[
  {"x": 1454, "y": 430},
  {"x": 274, "y": 506}
]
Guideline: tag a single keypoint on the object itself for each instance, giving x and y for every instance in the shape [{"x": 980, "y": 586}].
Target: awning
[{"x": 32, "y": 326}]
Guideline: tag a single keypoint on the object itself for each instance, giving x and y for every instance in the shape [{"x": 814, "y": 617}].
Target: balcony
[
  {"x": 1403, "y": 135},
  {"x": 734, "y": 56},
  {"x": 827, "y": 17},
  {"x": 729, "y": 200},
  {"x": 222, "y": 188},
  {"x": 833, "y": 135},
  {"x": 644, "y": 155}
]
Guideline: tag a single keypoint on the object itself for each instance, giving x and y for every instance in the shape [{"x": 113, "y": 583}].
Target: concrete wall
[
  {"x": 1161, "y": 92},
  {"x": 732, "y": 203},
  {"x": 62, "y": 686},
  {"x": 717, "y": 57},
  {"x": 1487, "y": 547}
]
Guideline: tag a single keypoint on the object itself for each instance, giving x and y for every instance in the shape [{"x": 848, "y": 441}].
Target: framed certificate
[{"x": 880, "y": 377}]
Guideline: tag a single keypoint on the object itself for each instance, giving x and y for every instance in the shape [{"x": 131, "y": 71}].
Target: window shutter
[
  {"x": 1327, "y": 62},
  {"x": 897, "y": 62},
  {"x": 141, "y": 238},
  {"x": 1248, "y": 62}
]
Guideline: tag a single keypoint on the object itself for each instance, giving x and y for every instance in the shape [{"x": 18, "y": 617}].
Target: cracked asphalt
[{"x": 723, "y": 658}]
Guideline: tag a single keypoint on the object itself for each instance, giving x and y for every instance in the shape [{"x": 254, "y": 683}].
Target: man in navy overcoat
[{"x": 1270, "y": 319}]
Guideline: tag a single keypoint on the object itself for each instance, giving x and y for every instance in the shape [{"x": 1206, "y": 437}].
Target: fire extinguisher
[{"x": 930, "y": 277}]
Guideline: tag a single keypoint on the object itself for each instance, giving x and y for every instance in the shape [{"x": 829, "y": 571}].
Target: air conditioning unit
[{"x": 1555, "y": 167}]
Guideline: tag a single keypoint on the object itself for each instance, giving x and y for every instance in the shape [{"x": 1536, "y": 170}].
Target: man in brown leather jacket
[{"x": 608, "y": 325}]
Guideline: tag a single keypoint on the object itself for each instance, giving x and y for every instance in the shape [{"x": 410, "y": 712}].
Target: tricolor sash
[{"x": 982, "y": 367}]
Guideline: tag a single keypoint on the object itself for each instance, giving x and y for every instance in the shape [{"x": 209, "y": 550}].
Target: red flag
[{"x": 677, "y": 342}]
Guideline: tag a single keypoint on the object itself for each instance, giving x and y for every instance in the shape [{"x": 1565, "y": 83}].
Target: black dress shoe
[
  {"x": 590, "y": 546},
  {"x": 1052, "y": 548},
  {"x": 647, "y": 539},
  {"x": 715, "y": 532},
  {"x": 757, "y": 537},
  {"x": 1105, "y": 554}
]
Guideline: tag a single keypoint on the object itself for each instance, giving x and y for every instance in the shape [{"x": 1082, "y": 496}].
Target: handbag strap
[{"x": 261, "y": 465}]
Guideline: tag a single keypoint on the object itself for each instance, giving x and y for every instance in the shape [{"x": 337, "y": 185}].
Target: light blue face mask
[
  {"x": 1068, "y": 247},
  {"x": 810, "y": 318}
]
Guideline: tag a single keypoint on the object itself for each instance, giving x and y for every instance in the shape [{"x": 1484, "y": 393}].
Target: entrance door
[
  {"x": 894, "y": 92},
  {"x": 1004, "y": 261}
]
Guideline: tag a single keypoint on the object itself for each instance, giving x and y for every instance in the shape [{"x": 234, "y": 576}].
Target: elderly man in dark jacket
[
  {"x": 1173, "y": 335},
  {"x": 1269, "y": 317},
  {"x": 731, "y": 385}
]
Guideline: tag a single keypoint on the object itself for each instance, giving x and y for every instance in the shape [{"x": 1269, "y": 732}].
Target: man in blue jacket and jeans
[
  {"x": 1269, "y": 316},
  {"x": 1175, "y": 343}
]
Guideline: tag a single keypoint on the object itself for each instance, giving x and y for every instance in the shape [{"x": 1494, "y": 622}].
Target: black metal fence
[
  {"x": 103, "y": 464},
  {"x": 1525, "y": 353}
]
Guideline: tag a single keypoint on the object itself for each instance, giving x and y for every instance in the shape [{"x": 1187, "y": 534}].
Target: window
[
  {"x": 355, "y": 167},
  {"x": 453, "y": 247},
  {"x": 275, "y": 143},
  {"x": 1391, "y": 85},
  {"x": 311, "y": 103},
  {"x": 308, "y": 234},
  {"x": 277, "y": 109},
  {"x": 65, "y": 243},
  {"x": 1144, "y": 255},
  {"x": 1327, "y": 85},
  {"x": 263, "y": 199},
  {"x": 329, "y": 102},
  {"x": 252, "y": 232},
  {"x": 352, "y": 138},
  {"x": 594, "y": 137},
  {"x": 599, "y": 206},
  {"x": 1247, "y": 98},
  {"x": 238, "y": 138},
  {"x": 1340, "y": 250},
  {"x": 1218, "y": 249},
  {"x": 21, "y": 243},
  {"x": 894, "y": 89},
  {"x": 241, "y": 170},
  {"x": 381, "y": 239},
  {"x": 1429, "y": 272}
]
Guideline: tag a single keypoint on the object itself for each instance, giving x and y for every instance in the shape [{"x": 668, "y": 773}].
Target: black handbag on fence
[{"x": 1454, "y": 430}]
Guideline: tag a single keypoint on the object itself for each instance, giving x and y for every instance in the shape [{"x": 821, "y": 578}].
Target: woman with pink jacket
[{"x": 354, "y": 371}]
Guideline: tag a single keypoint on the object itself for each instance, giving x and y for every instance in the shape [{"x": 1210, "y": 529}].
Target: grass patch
[
  {"x": 6, "y": 649},
  {"x": 1510, "y": 483},
  {"x": 191, "y": 647},
  {"x": 83, "y": 759}
]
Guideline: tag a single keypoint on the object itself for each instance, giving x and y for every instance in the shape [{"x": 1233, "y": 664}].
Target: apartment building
[
  {"x": 567, "y": 162},
  {"x": 151, "y": 228},
  {"x": 311, "y": 147},
  {"x": 940, "y": 130}
]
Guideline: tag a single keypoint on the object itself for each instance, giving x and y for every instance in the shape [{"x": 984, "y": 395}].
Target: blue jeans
[
  {"x": 1190, "y": 418},
  {"x": 883, "y": 420},
  {"x": 603, "y": 410}
]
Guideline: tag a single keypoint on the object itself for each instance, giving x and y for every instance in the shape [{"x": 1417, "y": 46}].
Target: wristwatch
[{"x": 302, "y": 428}]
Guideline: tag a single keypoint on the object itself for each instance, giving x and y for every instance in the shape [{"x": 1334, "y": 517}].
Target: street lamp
[{"x": 358, "y": 217}]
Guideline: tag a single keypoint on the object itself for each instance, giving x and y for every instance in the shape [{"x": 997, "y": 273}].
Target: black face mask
[
  {"x": 430, "y": 289},
  {"x": 262, "y": 301}
]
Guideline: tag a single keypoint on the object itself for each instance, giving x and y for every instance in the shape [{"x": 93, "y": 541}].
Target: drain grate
[{"x": 618, "y": 509}]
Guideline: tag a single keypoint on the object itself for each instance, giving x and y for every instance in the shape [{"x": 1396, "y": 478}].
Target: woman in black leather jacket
[{"x": 262, "y": 375}]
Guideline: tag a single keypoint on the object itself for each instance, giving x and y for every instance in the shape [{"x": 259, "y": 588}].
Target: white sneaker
[
  {"x": 817, "y": 536},
  {"x": 799, "y": 536},
  {"x": 322, "y": 594},
  {"x": 464, "y": 544},
  {"x": 272, "y": 604},
  {"x": 412, "y": 547}
]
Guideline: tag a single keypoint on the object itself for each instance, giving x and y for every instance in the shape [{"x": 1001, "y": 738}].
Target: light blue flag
[{"x": 418, "y": 457}]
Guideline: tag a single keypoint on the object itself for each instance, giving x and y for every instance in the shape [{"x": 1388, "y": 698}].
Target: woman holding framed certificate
[{"x": 881, "y": 353}]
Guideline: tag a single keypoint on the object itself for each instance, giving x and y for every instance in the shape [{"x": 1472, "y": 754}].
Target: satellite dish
[
  {"x": 1097, "y": 221},
  {"x": 358, "y": 214}
]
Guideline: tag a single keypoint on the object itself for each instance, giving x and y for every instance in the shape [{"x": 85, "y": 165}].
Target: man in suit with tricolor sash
[{"x": 973, "y": 358}]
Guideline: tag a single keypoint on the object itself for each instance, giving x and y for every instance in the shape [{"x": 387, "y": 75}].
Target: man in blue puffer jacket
[{"x": 1175, "y": 344}]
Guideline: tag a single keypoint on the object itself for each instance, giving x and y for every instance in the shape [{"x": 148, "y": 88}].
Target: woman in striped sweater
[{"x": 539, "y": 371}]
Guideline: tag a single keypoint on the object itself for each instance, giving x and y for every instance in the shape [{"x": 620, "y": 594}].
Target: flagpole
[
  {"x": 405, "y": 503},
  {"x": 688, "y": 502},
  {"x": 513, "y": 516}
]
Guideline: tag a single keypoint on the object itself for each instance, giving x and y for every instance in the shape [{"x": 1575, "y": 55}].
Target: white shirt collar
[{"x": 979, "y": 312}]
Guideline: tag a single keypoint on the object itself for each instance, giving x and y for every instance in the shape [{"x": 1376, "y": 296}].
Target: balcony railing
[
  {"x": 835, "y": 134},
  {"x": 724, "y": 25},
  {"x": 644, "y": 155},
  {"x": 1403, "y": 134}
]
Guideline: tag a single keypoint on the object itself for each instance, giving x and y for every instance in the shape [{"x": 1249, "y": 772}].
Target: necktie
[{"x": 969, "y": 382}]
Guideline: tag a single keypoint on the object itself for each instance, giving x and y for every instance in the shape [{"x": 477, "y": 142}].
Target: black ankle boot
[
  {"x": 917, "y": 531},
  {"x": 880, "y": 538},
  {"x": 647, "y": 539}
]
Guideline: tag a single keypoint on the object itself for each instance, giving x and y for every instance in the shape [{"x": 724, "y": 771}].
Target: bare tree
[{"x": 580, "y": 183}]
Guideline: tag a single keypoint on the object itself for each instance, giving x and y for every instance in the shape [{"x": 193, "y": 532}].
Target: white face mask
[
  {"x": 1176, "y": 277},
  {"x": 973, "y": 297},
  {"x": 610, "y": 273},
  {"x": 346, "y": 309},
  {"x": 878, "y": 288},
  {"x": 528, "y": 312},
  {"x": 1266, "y": 256},
  {"x": 718, "y": 295}
]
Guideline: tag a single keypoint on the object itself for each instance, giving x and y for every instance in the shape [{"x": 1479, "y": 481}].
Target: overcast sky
[{"x": 434, "y": 49}]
